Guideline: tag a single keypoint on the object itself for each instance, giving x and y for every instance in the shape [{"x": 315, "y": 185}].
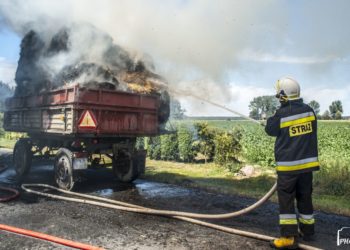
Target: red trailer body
[
  {"x": 76, "y": 123},
  {"x": 78, "y": 111}
]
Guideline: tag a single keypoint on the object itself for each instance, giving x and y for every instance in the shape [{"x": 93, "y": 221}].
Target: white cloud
[
  {"x": 325, "y": 96},
  {"x": 240, "y": 94},
  {"x": 7, "y": 71},
  {"x": 243, "y": 94},
  {"x": 265, "y": 57}
]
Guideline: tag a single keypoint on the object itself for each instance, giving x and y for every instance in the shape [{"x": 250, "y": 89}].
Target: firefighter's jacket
[{"x": 295, "y": 126}]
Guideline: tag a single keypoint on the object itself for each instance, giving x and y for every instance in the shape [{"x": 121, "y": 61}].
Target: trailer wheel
[
  {"x": 22, "y": 157},
  {"x": 123, "y": 168},
  {"x": 64, "y": 169}
]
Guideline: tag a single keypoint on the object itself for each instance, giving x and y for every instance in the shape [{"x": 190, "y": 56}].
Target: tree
[
  {"x": 335, "y": 107},
  {"x": 326, "y": 115},
  {"x": 176, "y": 111},
  {"x": 338, "y": 115},
  {"x": 169, "y": 150},
  {"x": 315, "y": 106},
  {"x": 263, "y": 106}
]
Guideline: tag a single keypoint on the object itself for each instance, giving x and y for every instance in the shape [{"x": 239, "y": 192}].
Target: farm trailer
[{"x": 78, "y": 123}]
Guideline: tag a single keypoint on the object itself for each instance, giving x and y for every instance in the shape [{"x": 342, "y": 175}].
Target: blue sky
[
  {"x": 9, "y": 54},
  {"x": 230, "y": 51},
  {"x": 10, "y": 43}
]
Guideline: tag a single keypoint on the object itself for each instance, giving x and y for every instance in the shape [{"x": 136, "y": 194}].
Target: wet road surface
[{"x": 113, "y": 229}]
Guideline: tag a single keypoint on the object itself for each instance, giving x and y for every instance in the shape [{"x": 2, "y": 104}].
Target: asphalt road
[{"x": 112, "y": 229}]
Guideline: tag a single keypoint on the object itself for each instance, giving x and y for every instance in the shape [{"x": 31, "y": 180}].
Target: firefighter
[{"x": 295, "y": 127}]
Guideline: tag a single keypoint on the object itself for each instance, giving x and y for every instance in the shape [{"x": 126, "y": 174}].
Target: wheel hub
[{"x": 63, "y": 173}]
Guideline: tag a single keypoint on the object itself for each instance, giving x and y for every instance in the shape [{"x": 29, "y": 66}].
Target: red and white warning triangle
[{"x": 87, "y": 120}]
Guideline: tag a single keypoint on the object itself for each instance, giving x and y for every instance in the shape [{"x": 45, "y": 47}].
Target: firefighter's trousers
[{"x": 291, "y": 187}]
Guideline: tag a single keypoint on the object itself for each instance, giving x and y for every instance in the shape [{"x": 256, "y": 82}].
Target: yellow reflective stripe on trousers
[
  {"x": 307, "y": 221},
  {"x": 288, "y": 222},
  {"x": 297, "y": 121},
  {"x": 298, "y": 167}
]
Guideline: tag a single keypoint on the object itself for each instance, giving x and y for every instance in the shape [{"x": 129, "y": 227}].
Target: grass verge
[
  {"x": 7, "y": 143},
  {"x": 214, "y": 178}
]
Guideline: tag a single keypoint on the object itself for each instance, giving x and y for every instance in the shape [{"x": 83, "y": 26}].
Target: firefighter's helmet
[{"x": 287, "y": 89}]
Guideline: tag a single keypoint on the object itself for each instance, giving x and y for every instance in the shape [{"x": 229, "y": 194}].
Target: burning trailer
[{"x": 83, "y": 104}]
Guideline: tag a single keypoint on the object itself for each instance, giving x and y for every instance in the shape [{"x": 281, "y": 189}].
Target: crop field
[
  {"x": 333, "y": 145},
  {"x": 333, "y": 141}
]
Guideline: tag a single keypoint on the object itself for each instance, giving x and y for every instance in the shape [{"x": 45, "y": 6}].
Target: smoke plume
[
  {"x": 197, "y": 40},
  {"x": 189, "y": 40},
  {"x": 79, "y": 54}
]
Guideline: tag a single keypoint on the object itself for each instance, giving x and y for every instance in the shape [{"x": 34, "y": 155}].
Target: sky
[{"x": 227, "y": 51}]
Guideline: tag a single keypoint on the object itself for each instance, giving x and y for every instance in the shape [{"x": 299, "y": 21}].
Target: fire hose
[
  {"x": 47, "y": 237},
  {"x": 13, "y": 194},
  {"x": 189, "y": 217},
  {"x": 144, "y": 210}
]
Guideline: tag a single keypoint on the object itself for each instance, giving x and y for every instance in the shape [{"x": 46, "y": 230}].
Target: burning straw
[{"x": 82, "y": 54}]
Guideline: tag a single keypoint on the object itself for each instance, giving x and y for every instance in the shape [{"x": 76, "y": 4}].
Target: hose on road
[
  {"x": 184, "y": 216},
  {"x": 13, "y": 194},
  {"x": 126, "y": 206},
  {"x": 47, "y": 237}
]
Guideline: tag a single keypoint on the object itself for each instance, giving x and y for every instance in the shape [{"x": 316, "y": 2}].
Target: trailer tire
[
  {"x": 124, "y": 169},
  {"x": 64, "y": 169},
  {"x": 22, "y": 157}
]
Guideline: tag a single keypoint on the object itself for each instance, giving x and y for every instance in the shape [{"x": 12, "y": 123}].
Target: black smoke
[
  {"x": 85, "y": 55},
  {"x": 37, "y": 70}
]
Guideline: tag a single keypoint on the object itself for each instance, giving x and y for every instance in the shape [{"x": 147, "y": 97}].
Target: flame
[{"x": 143, "y": 82}]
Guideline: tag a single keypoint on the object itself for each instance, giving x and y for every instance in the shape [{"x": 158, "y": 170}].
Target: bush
[
  {"x": 227, "y": 146},
  {"x": 153, "y": 148},
  {"x": 233, "y": 167},
  {"x": 205, "y": 140},
  {"x": 169, "y": 147},
  {"x": 140, "y": 143},
  {"x": 187, "y": 150}
]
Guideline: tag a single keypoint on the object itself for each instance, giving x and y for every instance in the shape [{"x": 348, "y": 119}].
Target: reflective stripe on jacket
[{"x": 295, "y": 127}]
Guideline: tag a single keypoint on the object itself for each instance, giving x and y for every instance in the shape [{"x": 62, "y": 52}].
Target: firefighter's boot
[{"x": 284, "y": 243}]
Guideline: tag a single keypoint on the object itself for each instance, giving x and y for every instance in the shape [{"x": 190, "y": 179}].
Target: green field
[
  {"x": 333, "y": 141},
  {"x": 331, "y": 184}
]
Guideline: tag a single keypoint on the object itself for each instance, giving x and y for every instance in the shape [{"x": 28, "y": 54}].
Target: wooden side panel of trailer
[
  {"x": 62, "y": 111},
  {"x": 57, "y": 120}
]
